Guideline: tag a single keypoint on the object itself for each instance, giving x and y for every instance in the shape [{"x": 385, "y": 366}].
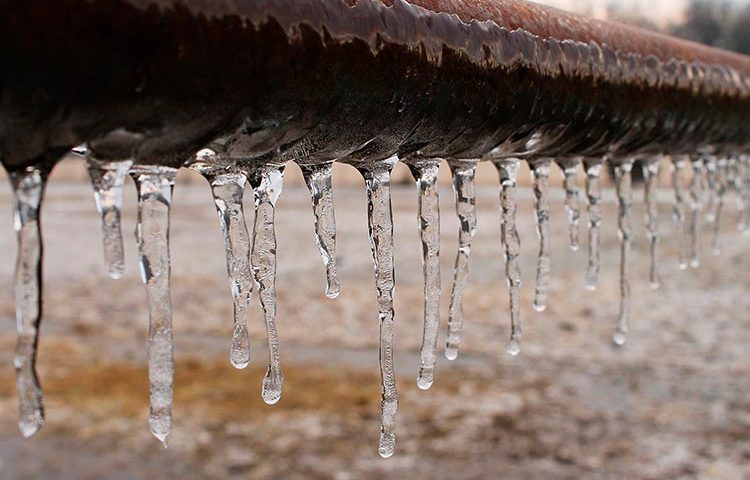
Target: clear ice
[
  {"x": 508, "y": 172},
  {"x": 651, "y": 184},
  {"x": 678, "y": 212},
  {"x": 228, "y": 189},
  {"x": 721, "y": 180},
  {"x": 425, "y": 173},
  {"x": 267, "y": 182},
  {"x": 594, "y": 193},
  {"x": 540, "y": 176},
  {"x": 696, "y": 202},
  {"x": 572, "y": 204},
  {"x": 318, "y": 180},
  {"x": 28, "y": 191},
  {"x": 155, "y": 185},
  {"x": 463, "y": 173},
  {"x": 108, "y": 178},
  {"x": 623, "y": 186},
  {"x": 380, "y": 225}
]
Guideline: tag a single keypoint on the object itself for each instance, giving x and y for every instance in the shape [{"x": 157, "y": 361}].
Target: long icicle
[
  {"x": 108, "y": 179},
  {"x": 155, "y": 185},
  {"x": 540, "y": 175},
  {"x": 425, "y": 173},
  {"x": 318, "y": 180},
  {"x": 267, "y": 182},
  {"x": 228, "y": 190},
  {"x": 28, "y": 192},
  {"x": 572, "y": 203},
  {"x": 594, "y": 193},
  {"x": 380, "y": 225},
  {"x": 678, "y": 212},
  {"x": 651, "y": 183},
  {"x": 508, "y": 171},
  {"x": 623, "y": 185},
  {"x": 463, "y": 173},
  {"x": 721, "y": 187},
  {"x": 696, "y": 202}
]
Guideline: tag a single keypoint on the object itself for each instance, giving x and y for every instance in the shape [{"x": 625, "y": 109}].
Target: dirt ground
[{"x": 673, "y": 404}]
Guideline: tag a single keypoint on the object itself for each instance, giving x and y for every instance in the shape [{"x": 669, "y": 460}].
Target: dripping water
[
  {"x": 425, "y": 173},
  {"x": 540, "y": 176},
  {"x": 678, "y": 212},
  {"x": 651, "y": 181},
  {"x": 28, "y": 192},
  {"x": 594, "y": 193},
  {"x": 463, "y": 173},
  {"x": 108, "y": 179},
  {"x": 624, "y": 200},
  {"x": 696, "y": 193},
  {"x": 508, "y": 172},
  {"x": 228, "y": 189},
  {"x": 380, "y": 226},
  {"x": 318, "y": 180},
  {"x": 267, "y": 182},
  {"x": 155, "y": 185}
]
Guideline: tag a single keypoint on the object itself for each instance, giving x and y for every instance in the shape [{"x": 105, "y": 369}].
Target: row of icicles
[{"x": 252, "y": 259}]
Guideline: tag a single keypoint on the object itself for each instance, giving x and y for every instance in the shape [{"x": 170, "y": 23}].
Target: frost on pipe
[{"x": 237, "y": 89}]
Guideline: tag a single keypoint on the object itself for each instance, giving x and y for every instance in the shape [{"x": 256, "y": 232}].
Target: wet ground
[{"x": 673, "y": 404}]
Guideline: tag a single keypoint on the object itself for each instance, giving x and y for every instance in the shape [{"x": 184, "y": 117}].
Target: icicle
[
  {"x": 540, "y": 175},
  {"x": 651, "y": 178},
  {"x": 679, "y": 207},
  {"x": 155, "y": 185},
  {"x": 594, "y": 193},
  {"x": 463, "y": 188},
  {"x": 267, "y": 182},
  {"x": 228, "y": 189},
  {"x": 28, "y": 192},
  {"x": 721, "y": 179},
  {"x": 625, "y": 200},
  {"x": 572, "y": 207},
  {"x": 695, "y": 208},
  {"x": 712, "y": 183},
  {"x": 425, "y": 173},
  {"x": 318, "y": 179},
  {"x": 508, "y": 171},
  {"x": 380, "y": 224},
  {"x": 108, "y": 178},
  {"x": 741, "y": 177}
]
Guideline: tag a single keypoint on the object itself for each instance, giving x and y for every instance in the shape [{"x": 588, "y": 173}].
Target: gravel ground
[{"x": 672, "y": 404}]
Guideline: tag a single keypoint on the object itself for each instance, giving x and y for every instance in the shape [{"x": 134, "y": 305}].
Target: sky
[{"x": 659, "y": 11}]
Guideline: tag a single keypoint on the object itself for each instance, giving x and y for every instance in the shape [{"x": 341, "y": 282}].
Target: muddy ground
[{"x": 673, "y": 404}]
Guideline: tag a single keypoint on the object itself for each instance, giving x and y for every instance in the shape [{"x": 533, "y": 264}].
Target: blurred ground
[{"x": 672, "y": 404}]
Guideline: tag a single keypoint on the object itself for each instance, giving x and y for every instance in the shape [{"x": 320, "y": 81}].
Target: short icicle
[
  {"x": 572, "y": 204},
  {"x": 267, "y": 182},
  {"x": 380, "y": 225},
  {"x": 741, "y": 177},
  {"x": 108, "y": 179},
  {"x": 425, "y": 173},
  {"x": 228, "y": 189},
  {"x": 318, "y": 180},
  {"x": 594, "y": 193},
  {"x": 651, "y": 183},
  {"x": 678, "y": 212},
  {"x": 28, "y": 192},
  {"x": 623, "y": 185},
  {"x": 508, "y": 171},
  {"x": 540, "y": 176},
  {"x": 721, "y": 174},
  {"x": 463, "y": 173},
  {"x": 155, "y": 185},
  {"x": 696, "y": 203}
]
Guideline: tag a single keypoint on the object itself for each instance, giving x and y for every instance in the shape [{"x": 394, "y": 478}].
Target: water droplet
[
  {"x": 540, "y": 176},
  {"x": 425, "y": 173},
  {"x": 155, "y": 185},
  {"x": 108, "y": 179},
  {"x": 463, "y": 173},
  {"x": 593, "y": 168}
]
